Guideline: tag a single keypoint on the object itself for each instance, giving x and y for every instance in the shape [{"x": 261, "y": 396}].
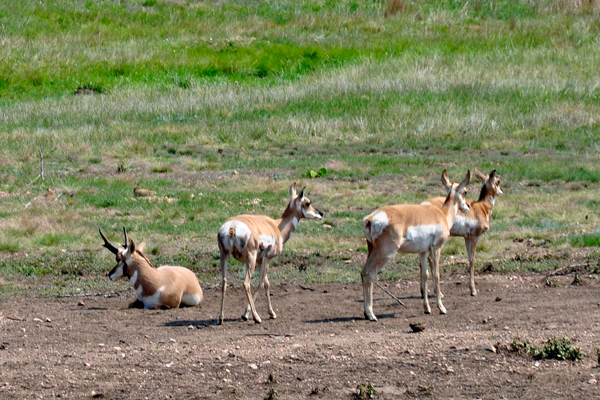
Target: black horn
[
  {"x": 111, "y": 247},
  {"x": 126, "y": 238}
]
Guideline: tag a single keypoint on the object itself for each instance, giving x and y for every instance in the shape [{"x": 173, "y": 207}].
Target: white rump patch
[
  {"x": 420, "y": 239},
  {"x": 240, "y": 237},
  {"x": 379, "y": 221}
]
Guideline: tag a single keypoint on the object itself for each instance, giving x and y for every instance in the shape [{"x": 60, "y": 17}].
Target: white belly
[{"x": 420, "y": 239}]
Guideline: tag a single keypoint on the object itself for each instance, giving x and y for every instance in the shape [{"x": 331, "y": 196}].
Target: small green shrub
[
  {"x": 556, "y": 349},
  {"x": 364, "y": 392},
  {"x": 316, "y": 174}
]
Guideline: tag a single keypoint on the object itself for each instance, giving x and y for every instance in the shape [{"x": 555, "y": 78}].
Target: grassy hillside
[{"x": 220, "y": 106}]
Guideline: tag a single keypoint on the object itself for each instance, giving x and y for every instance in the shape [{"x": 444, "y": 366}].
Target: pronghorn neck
[
  {"x": 487, "y": 199},
  {"x": 288, "y": 222},
  {"x": 450, "y": 208},
  {"x": 140, "y": 264}
]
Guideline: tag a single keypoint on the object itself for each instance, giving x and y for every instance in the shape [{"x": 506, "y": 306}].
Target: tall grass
[{"x": 217, "y": 104}]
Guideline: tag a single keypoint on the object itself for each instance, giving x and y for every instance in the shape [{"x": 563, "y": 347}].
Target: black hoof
[{"x": 244, "y": 318}]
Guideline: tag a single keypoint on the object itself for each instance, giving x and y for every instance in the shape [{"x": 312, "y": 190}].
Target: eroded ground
[{"x": 319, "y": 347}]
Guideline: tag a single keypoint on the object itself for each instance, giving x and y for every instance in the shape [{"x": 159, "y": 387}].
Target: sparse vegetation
[
  {"x": 557, "y": 349},
  {"x": 365, "y": 391},
  {"x": 391, "y": 91}
]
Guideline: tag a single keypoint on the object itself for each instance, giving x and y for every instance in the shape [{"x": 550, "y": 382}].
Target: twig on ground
[{"x": 388, "y": 292}]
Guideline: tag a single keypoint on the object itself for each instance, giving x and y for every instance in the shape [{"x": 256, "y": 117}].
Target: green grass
[{"x": 220, "y": 106}]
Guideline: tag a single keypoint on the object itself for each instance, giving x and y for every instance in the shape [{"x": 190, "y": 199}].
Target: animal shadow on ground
[
  {"x": 346, "y": 319},
  {"x": 198, "y": 323}
]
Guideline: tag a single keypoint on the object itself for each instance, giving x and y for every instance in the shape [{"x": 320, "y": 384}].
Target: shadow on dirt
[{"x": 347, "y": 319}]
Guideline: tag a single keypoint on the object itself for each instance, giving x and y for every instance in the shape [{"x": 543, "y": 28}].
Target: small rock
[
  {"x": 48, "y": 320},
  {"x": 100, "y": 344},
  {"x": 37, "y": 320},
  {"x": 417, "y": 327},
  {"x": 191, "y": 327},
  {"x": 168, "y": 365},
  {"x": 507, "y": 328},
  {"x": 81, "y": 303},
  {"x": 498, "y": 299},
  {"x": 592, "y": 381},
  {"x": 117, "y": 348},
  {"x": 172, "y": 340},
  {"x": 235, "y": 172},
  {"x": 326, "y": 226},
  {"x": 413, "y": 373},
  {"x": 253, "y": 366},
  {"x": 450, "y": 370},
  {"x": 87, "y": 365}
]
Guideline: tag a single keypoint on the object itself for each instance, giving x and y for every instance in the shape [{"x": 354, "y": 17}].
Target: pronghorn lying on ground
[
  {"x": 162, "y": 287},
  {"x": 254, "y": 239},
  {"x": 408, "y": 228},
  {"x": 142, "y": 192},
  {"x": 476, "y": 222}
]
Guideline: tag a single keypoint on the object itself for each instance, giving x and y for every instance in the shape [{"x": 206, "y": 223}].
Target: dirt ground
[{"x": 319, "y": 347}]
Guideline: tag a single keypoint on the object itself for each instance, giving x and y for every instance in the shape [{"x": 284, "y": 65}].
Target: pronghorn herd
[{"x": 257, "y": 239}]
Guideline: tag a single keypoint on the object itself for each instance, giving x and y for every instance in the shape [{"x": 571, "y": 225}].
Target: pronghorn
[
  {"x": 408, "y": 228},
  {"x": 142, "y": 192},
  {"x": 476, "y": 222},
  {"x": 162, "y": 287},
  {"x": 254, "y": 239}
]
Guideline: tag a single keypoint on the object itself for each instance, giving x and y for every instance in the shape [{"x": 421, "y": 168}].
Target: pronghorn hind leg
[
  {"x": 435, "y": 255},
  {"x": 471, "y": 243},
  {"x": 374, "y": 264},
  {"x": 224, "y": 257},
  {"x": 258, "y": 289}
]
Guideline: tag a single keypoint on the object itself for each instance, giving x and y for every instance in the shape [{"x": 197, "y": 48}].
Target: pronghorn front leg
[
  {"x": 424, "y": 275},
  {"x": 435, "y": 255},
  {"x": 250, "y": 265},
  {"x": 471, "y": 242}
]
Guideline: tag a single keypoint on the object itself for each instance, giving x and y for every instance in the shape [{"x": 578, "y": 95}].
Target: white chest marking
[
  {"x": 379, "y": 221},
  {"x": 421, "y": 238},
  {"x": 492, "y": 200},
  {"x": 134, "y": 278},
  {"x": 463, "y": 226}
]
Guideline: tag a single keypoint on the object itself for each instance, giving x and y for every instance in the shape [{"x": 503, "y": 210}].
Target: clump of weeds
[{"x": 554, "y": 348}]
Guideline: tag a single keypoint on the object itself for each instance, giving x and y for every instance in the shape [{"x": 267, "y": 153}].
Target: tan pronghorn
[
  {"x": 254, "y": 239},
  {"x": 162, "y": 287},
  {"x": 142, "y": 192},
  {"x": 408, "y": 228},
  {"x": 476, "y": 222}
]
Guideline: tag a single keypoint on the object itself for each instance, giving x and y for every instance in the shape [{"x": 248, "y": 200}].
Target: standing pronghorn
[
  {"x": 258, "y": 238},
  {"x": 476, "y": 222},
  {"x": 408, "y": 228}
]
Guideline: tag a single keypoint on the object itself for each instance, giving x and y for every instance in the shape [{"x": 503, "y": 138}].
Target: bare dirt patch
[{"x": 319, "y": 347}]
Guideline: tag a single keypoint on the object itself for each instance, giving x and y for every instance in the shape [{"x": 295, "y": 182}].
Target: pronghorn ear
[
  {"x": 142, "y": 246},
  {"x": 293, "y": 190},
  {"x": 464, "y": 183},
  {"x": 445, "y": 181},
  {"x": 492, "y": 175},
  {"x": 131, "y": 247},
  {"x": 480, "y": 175}
]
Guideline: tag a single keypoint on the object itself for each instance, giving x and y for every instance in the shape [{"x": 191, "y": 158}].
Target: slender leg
[
  {"x": 261, "y": 272},
  {"x": 250, "y": 265},
  {"x": 471, "y": 243},
  {"x": 224, "y": 257},
  {"x": 435, "y": 255},
  {"x": 374, "y": 264},
  {"x": 424, "y": 275},
  {"x": 267, "y": 293}
]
